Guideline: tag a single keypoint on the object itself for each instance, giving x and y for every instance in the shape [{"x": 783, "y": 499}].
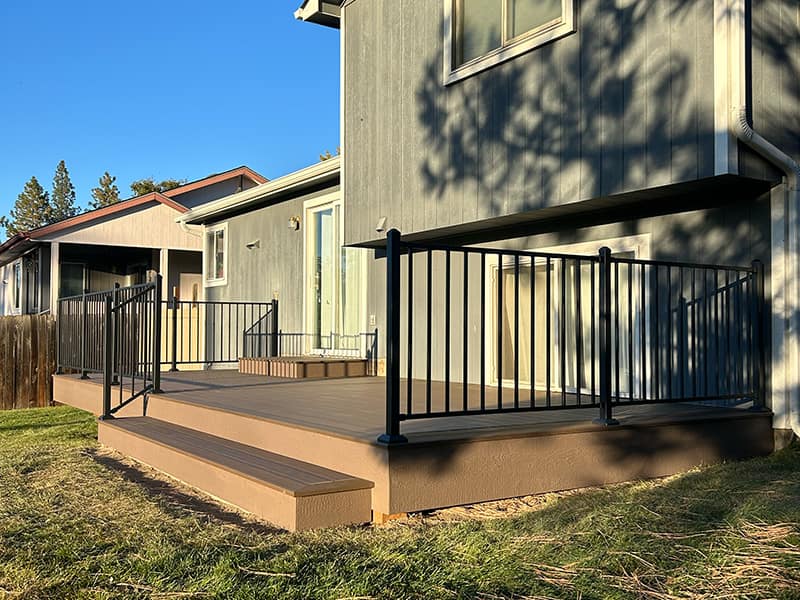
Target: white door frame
[{"x": 333, "y": 199}]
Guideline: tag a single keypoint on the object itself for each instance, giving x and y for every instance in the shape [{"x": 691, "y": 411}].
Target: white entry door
[{"x": 335, "y": 286}]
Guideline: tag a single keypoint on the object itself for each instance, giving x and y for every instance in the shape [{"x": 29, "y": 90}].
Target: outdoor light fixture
[
  {"x": 381, "y": 226},
  {"x": 294, "y": 223},
  {"x": 253, "y": 244}
]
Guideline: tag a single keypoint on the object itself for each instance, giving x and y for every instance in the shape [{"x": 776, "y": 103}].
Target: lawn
[{"x": 78, "y": 521}]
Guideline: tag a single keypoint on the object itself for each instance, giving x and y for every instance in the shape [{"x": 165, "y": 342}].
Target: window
[
  {"x": 216, "y": 255},
  {"x": 483, "y": 33},
  {"x": 17, "y": 287}
]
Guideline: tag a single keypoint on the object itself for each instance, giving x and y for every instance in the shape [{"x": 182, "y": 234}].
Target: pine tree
[
  {"x": 63, "y": 197},
  {"x": 145, "y": 186},
  {"x": 106, "y": 193},
  {"x": 31, "y": 210}
]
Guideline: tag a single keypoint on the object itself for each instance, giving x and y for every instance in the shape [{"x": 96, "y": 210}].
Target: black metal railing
[
  {"x": 131, "y": 345},
  {"x": 81, "y": 325},
  {"x": 499, "y": 331},
  {"x": 219, "y": 332}
]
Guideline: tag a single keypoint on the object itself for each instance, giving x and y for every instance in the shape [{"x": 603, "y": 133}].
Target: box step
[
  {"x": 305, "y": 367},
  {"x": 290, "y": 493}
]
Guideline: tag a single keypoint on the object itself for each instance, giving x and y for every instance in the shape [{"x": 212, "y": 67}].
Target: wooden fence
[{"x": 27, "y": 361}]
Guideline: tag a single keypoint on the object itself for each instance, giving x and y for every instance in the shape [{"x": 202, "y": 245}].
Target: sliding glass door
[
  {"x": 335, "y": 282},
  {"x": 552, "y": 304}
]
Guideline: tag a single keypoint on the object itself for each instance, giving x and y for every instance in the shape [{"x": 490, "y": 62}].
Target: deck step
[
  {"x": 290, "y": 493},
  {"x": 305, "y": 367}
]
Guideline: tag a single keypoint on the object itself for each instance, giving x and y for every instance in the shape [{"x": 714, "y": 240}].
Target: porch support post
[
  {"x": 606, "y": 417},
  {"x": 55, "y": 277},
  {"x": 392, "y": 435}
]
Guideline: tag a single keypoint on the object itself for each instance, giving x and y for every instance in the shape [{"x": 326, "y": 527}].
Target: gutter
[{"x": 791, "y": 254}]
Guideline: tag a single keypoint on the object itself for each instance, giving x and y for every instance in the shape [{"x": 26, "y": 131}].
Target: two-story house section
[{"x": 663, "y": 129}]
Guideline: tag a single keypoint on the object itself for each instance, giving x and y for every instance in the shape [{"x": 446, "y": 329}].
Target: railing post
[
  {"x": 108, "y": 366},
  {"x": 758, "y": 335},
  {"x": 114, "y": 336},
  {"x": 604, "y": 321},
  {"x": 174, "y": 335},
  {"x": 59, "y": 332},
  {"x": 84, "y": 334},
  {"x": 392, "y": 435},
  {"x": 273, "y": 338},
  {"x": 157, "y": 338}
]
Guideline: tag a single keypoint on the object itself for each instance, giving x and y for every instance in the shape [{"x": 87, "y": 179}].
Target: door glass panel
[
  {"x": 324, "y": 277},
  {"x": 575, "y": 312}
]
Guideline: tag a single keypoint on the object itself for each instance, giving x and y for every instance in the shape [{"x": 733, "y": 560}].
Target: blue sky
[{"x": 162, "y": 88}]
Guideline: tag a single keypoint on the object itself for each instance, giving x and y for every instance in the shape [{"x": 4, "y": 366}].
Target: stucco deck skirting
[{"x": 456, "y": 466}]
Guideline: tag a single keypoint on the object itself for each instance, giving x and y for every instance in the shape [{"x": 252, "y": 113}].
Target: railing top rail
[
  {"x": 681, "y": 265},
  {"x": 268, "y": 304},
  {"x": 104, "y": 293},
  {"x": 143, "y": 292},
  {"x": 421, "y": 247}
]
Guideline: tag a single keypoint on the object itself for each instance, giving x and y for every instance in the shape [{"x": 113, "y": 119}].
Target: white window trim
[
  {"x": 223, "y": 280},
  {"x": 16, "y": 288},
  {"x": 638, "y": 244},
  {"x": 513, "y": 48}
]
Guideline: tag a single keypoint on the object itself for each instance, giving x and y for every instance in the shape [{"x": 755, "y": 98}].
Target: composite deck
[
  {"x": 334, "y": 424},
  {"x": 354, "y": 408}
]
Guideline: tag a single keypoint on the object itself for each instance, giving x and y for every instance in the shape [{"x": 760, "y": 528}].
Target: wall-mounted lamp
[
  {"x": 252, "y": 245},
  {"x": 381, "y": 225},
  {"x": 294, "y": 223}
]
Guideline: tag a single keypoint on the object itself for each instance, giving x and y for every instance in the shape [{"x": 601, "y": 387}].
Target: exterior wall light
[
  {"x": 254, "y": 244},
  {"x": 294, "y": 223}
]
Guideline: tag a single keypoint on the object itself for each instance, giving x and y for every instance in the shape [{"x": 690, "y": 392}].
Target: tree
[
  {"x": 62, "y": 204},
  {"x": 328, "y": 155},
  {"x": 106, "y": 193},
  {"x": 146, "y": 186},
  {"x": 31, "y": 210}
]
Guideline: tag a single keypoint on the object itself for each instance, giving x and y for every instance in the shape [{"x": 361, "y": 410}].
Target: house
[
  {"x": 137, "y": 235},
  {"x": 572, "y": 227}
]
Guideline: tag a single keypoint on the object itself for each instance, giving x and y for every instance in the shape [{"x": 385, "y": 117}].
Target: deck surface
[{"x": 354, "y": 408}]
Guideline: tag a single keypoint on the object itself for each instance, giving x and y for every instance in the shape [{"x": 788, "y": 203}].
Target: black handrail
[{"x": 601, "y": 331}]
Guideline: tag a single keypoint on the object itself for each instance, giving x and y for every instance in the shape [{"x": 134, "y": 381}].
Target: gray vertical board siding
[
  {"x": 775, "y": 55},
  {"x": 276, "y": 268},
  {"x": 623, "y": 104},
  {"x": 213, "y": 192},
  {"x": 697, "y": 236}
]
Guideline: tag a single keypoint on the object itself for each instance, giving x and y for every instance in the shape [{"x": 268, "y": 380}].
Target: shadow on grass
[{"x": 177, "y": 502}]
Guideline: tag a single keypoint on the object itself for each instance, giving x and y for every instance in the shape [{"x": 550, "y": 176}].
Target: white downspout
[{"x": 747, "y": 135}]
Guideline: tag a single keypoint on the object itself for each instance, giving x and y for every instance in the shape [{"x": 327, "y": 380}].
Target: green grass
[{"x": 76, "y": 521}]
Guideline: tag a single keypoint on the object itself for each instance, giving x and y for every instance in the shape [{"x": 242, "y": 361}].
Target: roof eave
[
  {"x": 321, "y": 12},
  {"x": 325, "y": 172}
]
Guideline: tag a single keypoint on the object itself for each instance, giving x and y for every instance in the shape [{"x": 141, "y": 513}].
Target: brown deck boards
[
  {"x": 354, "y": 408},
  {"x": 291, "y": 476}
]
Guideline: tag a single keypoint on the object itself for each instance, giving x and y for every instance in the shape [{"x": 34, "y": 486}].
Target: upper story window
[
  {"x": 216, "y": 255},
  {"x": 483, "y": 33}
]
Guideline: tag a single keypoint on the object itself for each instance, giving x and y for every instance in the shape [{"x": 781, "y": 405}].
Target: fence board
[{"x": 27, "y": 361}]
